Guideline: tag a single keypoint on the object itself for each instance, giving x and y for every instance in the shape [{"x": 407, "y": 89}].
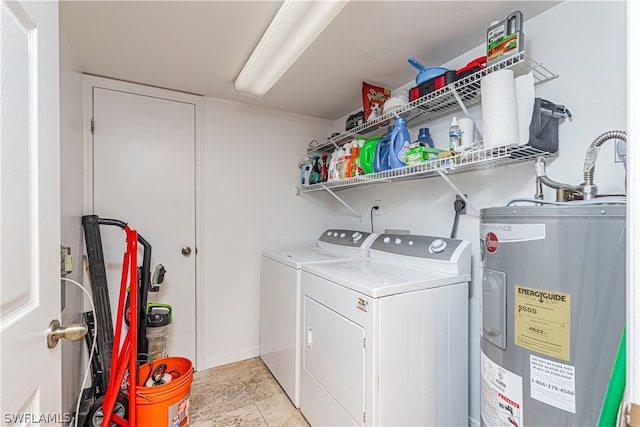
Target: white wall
[
  {"x": 71, "y": 235},
  {"x": 583, "y": 42},
  {"x": 251, "y": 168}
]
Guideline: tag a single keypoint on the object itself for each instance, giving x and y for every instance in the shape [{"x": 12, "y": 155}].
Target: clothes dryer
[
  {"x": 280, "y": 300},
  {"x": 386, "y": 337}
]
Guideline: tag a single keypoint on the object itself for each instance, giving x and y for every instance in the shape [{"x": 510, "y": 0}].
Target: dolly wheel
[{"x": 95, "y": 416}]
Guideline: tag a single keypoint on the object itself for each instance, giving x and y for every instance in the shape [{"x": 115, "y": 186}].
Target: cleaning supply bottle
[
  {"x": 305, "y": 171},
  {"x": 324, "y": 173},
  {"x": 338, "y": 163},
  {"x": 344, "y": 165},
  {"x": 331, "y": 172},
  {"x": 455, "y": 137},
  {"x": 381, "y": 158},
  {"x": 424, "y": 138},
  {"x": 314, "y": 176},
  {"x": 354, "y": 166},
  {"x": 368, "y": 153},
  {"x": 400, "y": 141}
]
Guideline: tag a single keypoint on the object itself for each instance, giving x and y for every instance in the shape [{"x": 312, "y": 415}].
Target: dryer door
[{"x": 334, "y": 356}]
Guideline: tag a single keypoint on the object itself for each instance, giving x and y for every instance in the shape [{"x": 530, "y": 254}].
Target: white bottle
[
  {"x": 332, "y": 165},
  {"x": 339, "y": 159},
  {"x": 455, "y": 136}
]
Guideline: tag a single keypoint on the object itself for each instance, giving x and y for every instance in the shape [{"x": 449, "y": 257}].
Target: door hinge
[
  {"x": 364, "y": 343},
  {"x": 364, "y": 418},
  {"x": 93, "y": 126}
]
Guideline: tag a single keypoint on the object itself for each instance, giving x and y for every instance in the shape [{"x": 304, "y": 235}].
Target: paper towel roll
[
  {"x": 499, "y": 109},
  {"x": 525, "y": 97}
]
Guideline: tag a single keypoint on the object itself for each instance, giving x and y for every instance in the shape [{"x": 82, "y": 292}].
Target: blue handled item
[
  {"x": 426, "y": 74},
  {"x": 399, "y": 142},
  {"x": 381, "y": 159}
]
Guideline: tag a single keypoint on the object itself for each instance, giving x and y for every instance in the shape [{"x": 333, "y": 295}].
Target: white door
[
  {"x": 29, "y": 213},
  {"x": 144, "y": 175}
]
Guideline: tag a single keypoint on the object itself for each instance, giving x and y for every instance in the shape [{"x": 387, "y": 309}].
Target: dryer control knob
[
  {"x": 398, "y": 241},
  {"x": 356, "y": 234},
  {"x": 335, "y": 234},
  {"x": 342, "y": 235},
  {"x": 328, "y": 233},
  {"x": 437, "y": 246},
  {"x": 357, "y": 238},
  {"x": 387, "y": 239}
]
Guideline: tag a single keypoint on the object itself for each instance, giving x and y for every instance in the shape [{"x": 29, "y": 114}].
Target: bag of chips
[{"x": 373, "y": 99}]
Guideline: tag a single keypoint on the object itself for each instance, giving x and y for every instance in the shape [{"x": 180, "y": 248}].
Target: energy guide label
[{"x": 542, "y": 321}]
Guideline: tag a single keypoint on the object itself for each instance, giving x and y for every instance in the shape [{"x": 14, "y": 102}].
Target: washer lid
[
  {"x": 380, "y": 279},
  {"x": 295, "y": 258}
]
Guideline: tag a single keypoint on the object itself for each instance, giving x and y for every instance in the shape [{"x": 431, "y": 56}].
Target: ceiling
[{"x": 201, "y": 46}]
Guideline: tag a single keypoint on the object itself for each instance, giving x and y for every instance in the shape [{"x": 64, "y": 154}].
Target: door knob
[
  {"x": 186, "y": 251},
  {"x": 74, "y": 332}
]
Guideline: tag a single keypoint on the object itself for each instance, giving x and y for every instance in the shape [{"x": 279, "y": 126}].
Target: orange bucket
[{"x": 166, "y": 404}]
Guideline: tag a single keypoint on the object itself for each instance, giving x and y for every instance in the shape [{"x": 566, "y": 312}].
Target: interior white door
[
  {"x": 144, "y": 175},
  {"x": 30, "y": 384}
]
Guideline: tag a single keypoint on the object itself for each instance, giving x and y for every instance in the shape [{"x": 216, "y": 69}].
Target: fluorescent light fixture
[{"x": 293, "y": 29}]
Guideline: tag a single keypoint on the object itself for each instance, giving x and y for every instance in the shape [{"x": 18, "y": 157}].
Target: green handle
[
  {"x": 159, "y": 304},
  {"x": 615, "y": 389}
]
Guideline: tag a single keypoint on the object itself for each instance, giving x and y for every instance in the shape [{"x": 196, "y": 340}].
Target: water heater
[{"x": 553, "y": 310}]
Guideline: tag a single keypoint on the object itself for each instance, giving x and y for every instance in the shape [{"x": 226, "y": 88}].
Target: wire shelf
[
  {"x": 482, "y": 159},
  {"x": 440, "y": 103}
]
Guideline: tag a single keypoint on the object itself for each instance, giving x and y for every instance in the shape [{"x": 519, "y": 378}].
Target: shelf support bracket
[
  {"x": 345, "y": 204},
  {"x": 460, "y": 103},
  {"x": 457, "y": 191}
]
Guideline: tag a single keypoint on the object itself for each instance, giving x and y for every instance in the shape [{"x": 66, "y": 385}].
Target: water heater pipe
[
  {"x": 590, "y": 189},
  {"x": 542, "y": 178}
]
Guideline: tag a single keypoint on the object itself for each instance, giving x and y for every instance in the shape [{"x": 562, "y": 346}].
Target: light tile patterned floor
[{"x": 241, "y": 394}]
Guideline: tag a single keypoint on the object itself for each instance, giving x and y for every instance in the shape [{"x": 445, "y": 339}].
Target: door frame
[{"x": 90, "y": 82}]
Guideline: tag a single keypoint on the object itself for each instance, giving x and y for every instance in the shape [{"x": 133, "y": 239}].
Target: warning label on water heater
[
  {"x": 542, "y": 321},
  {"x": 500, "y": 395}
]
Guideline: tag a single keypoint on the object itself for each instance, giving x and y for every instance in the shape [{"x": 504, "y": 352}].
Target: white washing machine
[
  {"x": 386, "y": 337},
  {"x": 280, "y": 300}
]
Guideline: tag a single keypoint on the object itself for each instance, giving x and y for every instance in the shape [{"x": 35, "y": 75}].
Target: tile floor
[{"x": 241, "y": 394}]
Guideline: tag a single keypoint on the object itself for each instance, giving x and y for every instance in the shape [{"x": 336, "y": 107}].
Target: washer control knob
[
  {"x": 329, "y": 233},
  {"x": 356, "y": 234},
  {"x": 398, "y": 241},
  {"x": 387, "y": 239},
  {"x": 342, "y": 235},
  {"x": 437, "y": 246},
  {"x": 356, "y": 238},
  {"x": 335, "y": 234},
  {"x": 410, "y": 242}
]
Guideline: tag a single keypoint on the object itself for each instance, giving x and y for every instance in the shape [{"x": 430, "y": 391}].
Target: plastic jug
[
  {"x": 368, "y": 153},
  {"x": 381, "y": 158},
  {"x": 424, "y": 138},
  {"x": 400, "y": 141}
]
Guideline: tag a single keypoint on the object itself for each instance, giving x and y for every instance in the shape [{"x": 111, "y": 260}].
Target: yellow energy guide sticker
[{"x": 543, "y": 321}]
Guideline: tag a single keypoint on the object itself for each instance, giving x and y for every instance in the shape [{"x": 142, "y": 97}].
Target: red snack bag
[{"x": 373, "y": 99}]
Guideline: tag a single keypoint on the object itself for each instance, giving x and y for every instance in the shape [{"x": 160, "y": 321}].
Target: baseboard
[{"x": 236, "y": 356}]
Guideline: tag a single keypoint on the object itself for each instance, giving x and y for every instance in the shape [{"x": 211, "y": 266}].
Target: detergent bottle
[
  {"x": 331, "y": 172},
  {"x": 424, "y": 138},
  {"x": 355, "y": 158},
  {"x": 324, "y": 173},
  {"x": 339, "y": 159},
  {"x": 368, "y": 153},
  {"x": 400, "y": 140},
  {"x": 381, "y": 158},
  {"x": 344, "y": 165},
  {"x": 455, "y": 136}
]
